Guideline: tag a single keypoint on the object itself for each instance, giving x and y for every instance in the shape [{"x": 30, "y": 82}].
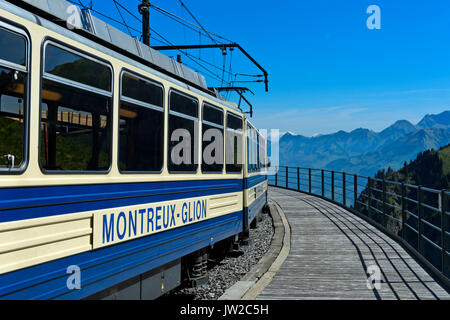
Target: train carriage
[{"x": 100, "y": 196}]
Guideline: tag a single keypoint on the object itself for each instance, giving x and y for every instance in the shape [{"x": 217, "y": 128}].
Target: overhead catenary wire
[
  {"x": 196, "y": 20},
  {"x": 217, "y": 77},
  {"x": 120, "y": 13},
  {"x": 104, "y": 16},
  {"x": 199, "y": 62},
  {"x": 187, "y": 23},
  {"x": 167, "y": 42},
  {"x": 250, "y": 75},
  {"x": 248, "y": 81},
  {"x": 164, "y": 40},
  {"x": 224, "y": 52},
  {"x": 230, "y": 71},
  {"x": 223, "y": 66}
]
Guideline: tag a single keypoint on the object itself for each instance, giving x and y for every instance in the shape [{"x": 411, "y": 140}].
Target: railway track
[{"x": 225, "y": 269}]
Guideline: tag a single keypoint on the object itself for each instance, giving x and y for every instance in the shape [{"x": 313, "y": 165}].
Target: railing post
[
  {"x": 419, "y": 222},
  {"x": 309, "y": 170},
  {"x": 369, "y": 186},
  {"x": 403, "y": 209},
  {"x": 323, "y": 183},
  {"x": 355, "y": 190},
  {"x": 287, "y": 177},
  {"x": 383, "y": 196},
  {"x": 332, "y": 185},
  {"x": 343, "y": 190},
  {"x": 444, "y": 229},
  {"x": 276, "y": 176},
  {"x": 298, "y": 178}
]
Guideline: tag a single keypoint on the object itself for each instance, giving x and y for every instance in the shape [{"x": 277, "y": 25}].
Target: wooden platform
[{"x": 331, "y": 250}]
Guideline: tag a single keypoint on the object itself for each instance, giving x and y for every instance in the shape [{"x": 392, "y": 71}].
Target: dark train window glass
[
  {"x": 262, "y": 152},
  {"x": 212, "y": 139},
  {"x": 252, "y": 156},
  {"x": 141, "y": 126},
  {"x": 255, "y": 150},
  {"x": 75, "y": 129},
  {"x": 68, "y": 65},
  {"x": 233, "y": 153},
  {"x": 12, "y": 117},
  {"x": 183, "y": 104},
  {"x": 249, "y": 149},
  {"x": 138, "y": 89},
  {"x": 183, "y": 124},
  {"x": 212, "y": 114},
  {"x": 258, "y": 154},
  {"x": 13, "y": 47},
  {"x": 234, "y": 122}
]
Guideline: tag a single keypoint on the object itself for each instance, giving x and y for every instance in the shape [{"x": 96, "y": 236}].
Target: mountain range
[{"x": 363, "y": 151}]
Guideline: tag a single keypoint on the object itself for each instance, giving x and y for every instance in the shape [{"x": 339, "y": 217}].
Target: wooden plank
[{"x": 331, "y": 250}]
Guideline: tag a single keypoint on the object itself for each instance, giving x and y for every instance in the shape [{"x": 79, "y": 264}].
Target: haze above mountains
[{"x": 363, "y": 151}]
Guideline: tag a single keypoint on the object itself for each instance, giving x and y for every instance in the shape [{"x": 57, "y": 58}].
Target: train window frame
[
  {"x": 261, "y": 152},
  {"x": 218, "y": 126},
  {"x": 21, "y": 31},
  {"x": 162, "y": 109},
  {"x": 185, "y": 116},
  {"x": 251, "y": 148},
  {"x": 65, "y": 47},
  {"x": 258, "y": 153},
  {"x": 248, "y": 141},
  {"x": 110, "y": 94},
  {"x": 241, "y": 118},
  {"x": 256, "y": 150}
]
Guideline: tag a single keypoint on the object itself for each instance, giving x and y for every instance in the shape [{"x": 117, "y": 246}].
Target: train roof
[{"x": 105, "y": 38}]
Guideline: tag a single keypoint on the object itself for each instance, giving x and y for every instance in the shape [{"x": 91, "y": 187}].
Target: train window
[
  {"x": 251, "y": 148},
  {"x": 212, "y": 141},
  {"x": 233, "y": 144},
  {"x": 256, "y": 159},
  {"x": 14, "y": 48},
  {"x": 75, "y": 67},
  {"x": 183, "y": 126},
  {"x": 139, "y": 89},
  {"x": 254, "y": 150},
  {"x": 76, "y": 119},
  {"x": 141, "y": 132},
  {"x": 13, "y": 99},
  {"x": 262, "y": 152},
  {"x": 183, "y": 104}
]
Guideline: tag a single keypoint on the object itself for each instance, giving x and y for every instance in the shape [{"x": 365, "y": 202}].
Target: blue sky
[{"x": 327, "y": 70}]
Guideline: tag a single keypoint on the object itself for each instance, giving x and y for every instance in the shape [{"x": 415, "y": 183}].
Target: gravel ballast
[{"x": 232, "y": 268}]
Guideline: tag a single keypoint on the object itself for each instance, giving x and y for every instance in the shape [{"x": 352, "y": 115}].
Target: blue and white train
[{"x": 92, "y": 204}]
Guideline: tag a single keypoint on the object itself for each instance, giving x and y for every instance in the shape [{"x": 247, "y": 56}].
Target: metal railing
[{"x": 415, "y": 215}]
